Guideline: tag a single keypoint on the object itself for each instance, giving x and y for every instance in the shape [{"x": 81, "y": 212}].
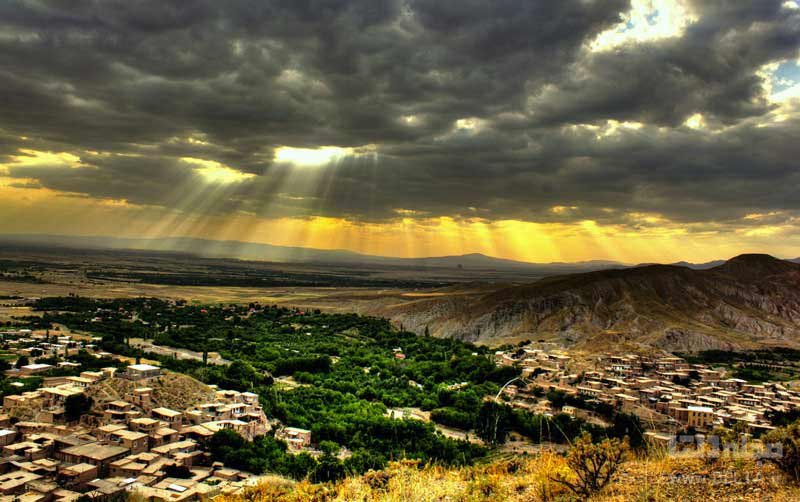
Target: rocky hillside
[
  {"x": 170, "y": 390},
  {"x": 748, "y": 301}
]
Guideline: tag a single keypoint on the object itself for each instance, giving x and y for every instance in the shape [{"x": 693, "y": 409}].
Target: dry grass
[
  {"x": 664, "y": 478},
  {"x": 404, "y": 481}
]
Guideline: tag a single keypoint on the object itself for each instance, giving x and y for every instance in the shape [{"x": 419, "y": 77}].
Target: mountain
[
  {"x": 208, "y": 248},
  {"x": 747, "y": 301},
  {"x": 700, "y": 266}
]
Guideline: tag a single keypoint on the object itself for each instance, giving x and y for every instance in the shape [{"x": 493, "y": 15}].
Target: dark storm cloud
[
  {"x": 710, "y": 69},
  {"x": 147, "y": 83}
]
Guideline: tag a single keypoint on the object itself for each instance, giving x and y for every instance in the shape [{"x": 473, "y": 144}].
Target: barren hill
[
  {"x": 750, "y": 300},
  {"x": 170, "y": 390}
]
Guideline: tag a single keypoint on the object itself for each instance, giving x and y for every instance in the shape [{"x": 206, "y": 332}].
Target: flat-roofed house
[
  {"x": 142, "y": 397},
  {"x": 30, "y": 450},
  {"x": 182, "y": 452},
  {"x": 7, "y": 436},
  {"x": 15, "y": 482},
  {"x": 79, "y": 381},
  {"x": 92, "y": 375},
  {"x": 172, "y": 417},
  {"x": 163, "y": 436},
  {"x": 699, "y": 416},
  {"x": 142, "y": 371},
  {"x": 31, "y": 399},
  {"x": 296, "y": 438},
  {"x": 137, "y": 465},
  {"x": 76, "y": 477},
  {"x": 32, "y": 369},
  {"x": 145, "y": 424},
  {"x": 95, "y": 454},
  {"x": 136, "y": 442},
  {"x": 626, "y": 402},
  {"x": 172, "y": 489},
  {"x": 103, "y": 433},
  {"x": 117, "y": 411},
  {"x": 57, "y": 396}
]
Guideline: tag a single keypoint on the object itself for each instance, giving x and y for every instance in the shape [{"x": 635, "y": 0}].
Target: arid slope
[{"x": 750, "y": 300}]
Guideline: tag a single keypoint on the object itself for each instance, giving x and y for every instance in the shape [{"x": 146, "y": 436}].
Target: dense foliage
[
  {"x": 347, "y": 372},
  {"x": 346, "y": 378},
  {"x": 263, "y": 454}
]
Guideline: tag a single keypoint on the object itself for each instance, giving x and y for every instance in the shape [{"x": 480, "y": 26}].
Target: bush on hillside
[
  {"x": 593, "y": 465},
  {"x": 787, "y": 458}
]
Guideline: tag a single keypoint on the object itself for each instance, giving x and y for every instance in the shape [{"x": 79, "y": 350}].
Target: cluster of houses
[
  {"x": 126, "y": 444},
  {"x": 30, "y": 343},
  {"x": 666, "y": 391},
  {"x": 132, "y": 446}
]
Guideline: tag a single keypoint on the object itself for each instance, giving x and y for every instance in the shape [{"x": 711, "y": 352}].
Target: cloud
[{"x": 440, "y": 108}]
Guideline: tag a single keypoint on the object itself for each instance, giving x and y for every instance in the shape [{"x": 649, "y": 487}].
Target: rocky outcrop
[{"x": 749, "y": 300}]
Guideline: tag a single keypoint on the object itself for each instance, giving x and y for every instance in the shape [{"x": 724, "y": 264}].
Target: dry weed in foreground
[
  {"x": 593, "y": 465},
  {"x": 653, "y": 478},
  {"x": 514, "y": 480}
]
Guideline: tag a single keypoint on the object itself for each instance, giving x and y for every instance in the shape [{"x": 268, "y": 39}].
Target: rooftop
[
  {"x": 95, "y": 451},
  {"x": 143, "y": 367},
  {"x": 166, "y": 412}
]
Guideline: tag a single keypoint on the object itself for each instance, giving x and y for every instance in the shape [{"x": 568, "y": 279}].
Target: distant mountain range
[
  {"x": 289, "y": 254},
  {"x": 293, "y": 254},
  {"x": 749, "y": 301}
]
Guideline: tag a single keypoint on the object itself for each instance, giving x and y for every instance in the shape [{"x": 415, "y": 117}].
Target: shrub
[
  {"x": 593, "y": 465},
  {"x": 177, "y": 471},
  {"x": 787, "y": 460}
]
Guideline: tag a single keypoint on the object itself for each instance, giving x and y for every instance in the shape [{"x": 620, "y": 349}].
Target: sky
[{"x": 642, "y": 130}]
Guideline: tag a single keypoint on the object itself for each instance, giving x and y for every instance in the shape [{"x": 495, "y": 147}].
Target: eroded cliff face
[{"x": 750, "y": 300}]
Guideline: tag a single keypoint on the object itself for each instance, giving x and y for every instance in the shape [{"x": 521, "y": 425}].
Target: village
[
  {"x": 128, "y": 444},
  {"x": 102, "y": 430},
  {"x": 669, "y": 395}
]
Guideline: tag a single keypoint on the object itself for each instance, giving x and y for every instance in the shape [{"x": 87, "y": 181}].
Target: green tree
[
  {"x": 628, "y": 425},
  {"x": 22, "y": 361},
  {"x": 363, "y": 460},
  {"x": 493, "y": 422},
  {"x": 300, "y": 465},
  {"x": 328, "y": 469},
  {"x": 329, "y": 447},
  {"x": 785, "y": 442},
  {"x": 177, "y": 471},
  {"x": 75, "y": 406}
]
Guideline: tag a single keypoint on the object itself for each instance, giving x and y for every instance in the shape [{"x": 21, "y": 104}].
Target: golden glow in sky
[
  {"x": 214, "y": 172},
  {"x": 29, "y": 208},
  {"x": 39, "y": 210},
  {"x": 310, "y": 157}
]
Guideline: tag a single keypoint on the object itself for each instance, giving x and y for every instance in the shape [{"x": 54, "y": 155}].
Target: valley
[
  {"x": 319, "y": 384},
  {"x": 747, "y": 302}
]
